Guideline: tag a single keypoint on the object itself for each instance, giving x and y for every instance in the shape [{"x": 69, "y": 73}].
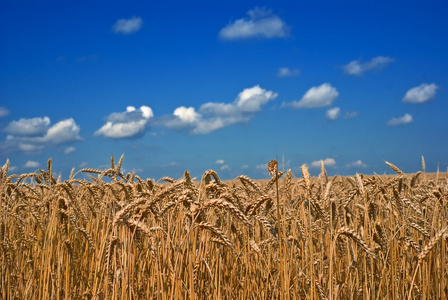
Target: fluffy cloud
[
  {"x": 129, "y": 124},
  {"x": 220, "y": 162},
  {"x": 213, "y": 115},
  {"x": 31, "y": 135},
  {"x": 333, "y": 113},
  {"x": 31, "y": 164},
  {"x": 356, "y": 67},
  {"x": 421, "y": 93},
  {"x": 407, "y": 118},
  {"x": 251, "y": 99},
  {"x": 65, "y": 131},
  {"x": 356, "y": 164},
  {"x": 287, "y": 72},
  {"x": 186, "y": 115},
  {"x": 259, "y": 23},
  {"x": 317, "y": 96},
  {"x": 128, "y": 26},
  {"x": 329, "y": 162},
  {"x": 3, "y": 112},
  {"x": 29, "y": 127}
]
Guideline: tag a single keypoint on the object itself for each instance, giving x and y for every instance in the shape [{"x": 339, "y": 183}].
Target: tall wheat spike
[{"x": 395, "y": 168}]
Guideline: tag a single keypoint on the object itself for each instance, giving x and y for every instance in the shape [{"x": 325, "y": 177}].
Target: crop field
[{"x": 102, "y": 234}]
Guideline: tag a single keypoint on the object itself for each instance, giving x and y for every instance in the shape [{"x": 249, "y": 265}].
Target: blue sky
[{"x": 224, "y": 85}]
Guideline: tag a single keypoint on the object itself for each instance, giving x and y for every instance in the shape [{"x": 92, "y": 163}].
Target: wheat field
[{"x": 103, "y": 234}]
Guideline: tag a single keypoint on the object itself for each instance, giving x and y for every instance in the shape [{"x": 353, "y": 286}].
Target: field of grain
[{"x": 110, "y": 235}]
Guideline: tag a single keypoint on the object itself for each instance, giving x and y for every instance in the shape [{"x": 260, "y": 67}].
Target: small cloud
[
  {"x": 128, "y": 26},
  {"x": 65, "y": 131},
  {"x": 244, "y": 167},
  {"x": 251, "y": 99},
  {"x": 333, "y": 113},
  {"x": 286, "y": 72},
  {"x": 220, "y": 162},
  {"x": 3, "y": 112},
  {"x": 421, "y": 93},
  {"x": 213, "y": 115},
  {"x": 183, "y": 117},
  {"x": 31, "y": 164},
  {"x": 260, "y": 23},
  {"x": 69, "y": 150},
  {"x": 356, "y": 67},
  {"x": 357, "y": 164},
  {"x": 186, "y": 115},
  {"x": 407, "y": 118},
  {"x": 329, "y": 162},
  {"x": 225, "y": 168},
  {"x": 315, "y": 97},
  {"x": 33, "y": 135},
  {"x": 129, "y": 124},
  {"x": 29, "y": 127}
]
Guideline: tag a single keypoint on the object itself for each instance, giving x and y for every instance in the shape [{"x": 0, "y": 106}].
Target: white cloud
[
  {"x": 213, "y": 115},
  {"x": 128, "y": 26},
  {"x": 251, "y": 99},
  {"x": 260, "y": 23},
  {"x": 187, "y": 115},
  {"x": 333, "y": 113},
  {"x": 225, "y": 168},
  {"x": 33, "y": 135},
  {"x": 29, "y": 127},
  {"x": 356, "y": 164},
  {"x": 220, "y": 162},
  {"x": 287, "y": 72},
  {"x": 3, "y": 112},
  {"x": 129, "y": 124},
  {"x": 244, "y": 167},
  {"x": 146, "y": 111},
  {"x": 317, "y": 96},
  {"x": 356, "y": 67},
  {"x": 407, "y": 118},
  {"x": 69, "y": 150},
  {"x": 421, "y": 93},
  {"x": 328, "y": 162},
  {"x": 63, "y": 132},
  {"x": 31, "y": 164}
]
